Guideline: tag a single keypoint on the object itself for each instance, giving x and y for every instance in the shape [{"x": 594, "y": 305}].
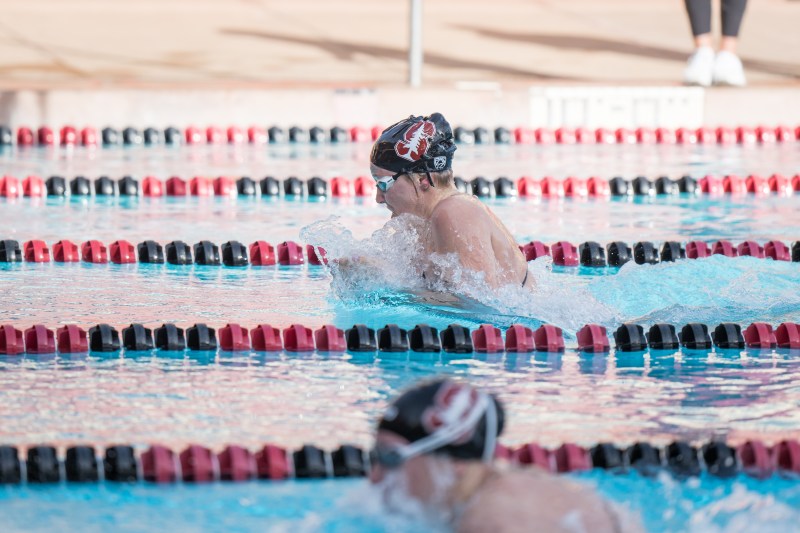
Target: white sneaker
[
  {"x": 728, "y": 70},
  {"x": 700, "y": 67}
]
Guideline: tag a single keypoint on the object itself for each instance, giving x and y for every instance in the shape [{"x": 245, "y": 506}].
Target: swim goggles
[
  {"x": 385, "y": 182},
  {"x": 391, "y": 457}
]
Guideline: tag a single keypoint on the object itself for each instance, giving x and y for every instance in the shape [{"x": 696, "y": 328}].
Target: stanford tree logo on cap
[{"x": 414, "y": 143}]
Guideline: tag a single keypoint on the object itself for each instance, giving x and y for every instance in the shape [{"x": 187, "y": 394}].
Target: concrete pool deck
[{"x": 316, "y": 61}]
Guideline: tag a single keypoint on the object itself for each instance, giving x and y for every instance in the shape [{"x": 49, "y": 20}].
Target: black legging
[{"x": 700, "y": 16}]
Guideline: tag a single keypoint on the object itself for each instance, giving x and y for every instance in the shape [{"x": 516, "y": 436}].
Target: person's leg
[
  {"x": 732, "y": 14},
  {"x": 728, "y": 68},
  {"x": 701, "y": 62},
  {"x": 700, "y": 19}
]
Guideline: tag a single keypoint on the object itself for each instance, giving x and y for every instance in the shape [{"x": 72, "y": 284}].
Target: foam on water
[{"x": 385, "y": 269}]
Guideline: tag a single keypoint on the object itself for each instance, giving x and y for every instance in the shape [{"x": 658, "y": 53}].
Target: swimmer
[
  {"x": 433, "y": 456},
  {"x": 411, "y": 163}
]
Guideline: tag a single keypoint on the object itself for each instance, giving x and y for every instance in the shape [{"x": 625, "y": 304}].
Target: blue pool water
[
  {"x": 699, "y": 505},
  {"x": 290, "y": 399}
]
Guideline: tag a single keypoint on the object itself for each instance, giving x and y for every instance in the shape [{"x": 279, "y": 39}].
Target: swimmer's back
[
  {"x": 530, "y": 500},
  {"x": 467, "y": 213}
]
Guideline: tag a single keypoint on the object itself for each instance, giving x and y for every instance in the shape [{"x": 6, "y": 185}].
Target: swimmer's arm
[{"x": 456, "y": 232}]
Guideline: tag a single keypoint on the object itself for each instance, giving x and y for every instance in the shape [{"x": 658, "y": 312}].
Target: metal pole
[{"x": 415, "y": 45}]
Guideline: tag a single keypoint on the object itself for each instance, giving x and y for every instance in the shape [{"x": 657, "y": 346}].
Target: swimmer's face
[
  {"x": 401, "y": 197},
  {"x": 413, "y": 476}
]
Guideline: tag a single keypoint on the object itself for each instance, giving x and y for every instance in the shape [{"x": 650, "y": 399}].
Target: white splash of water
[
  {"x": 393, "y": 260},
  {"x": 743, "y": 511}
]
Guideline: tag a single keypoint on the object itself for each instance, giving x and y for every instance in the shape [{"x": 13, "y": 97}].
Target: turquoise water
[
  {"x": 290, "y": 399},
  {"x": 701, "y": 505}
]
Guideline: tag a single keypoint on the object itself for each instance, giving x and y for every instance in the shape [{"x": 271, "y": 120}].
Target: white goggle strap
[{"x": 446, "y": 435}]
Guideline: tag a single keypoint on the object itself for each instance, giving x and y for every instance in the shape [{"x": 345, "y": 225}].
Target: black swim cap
[
  {"x": 416, "y": 144},
  {"x": 434, "y": 407}
]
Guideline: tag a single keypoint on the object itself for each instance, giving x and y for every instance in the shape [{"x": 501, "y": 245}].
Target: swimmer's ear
[{"x": 425, "y": 183}]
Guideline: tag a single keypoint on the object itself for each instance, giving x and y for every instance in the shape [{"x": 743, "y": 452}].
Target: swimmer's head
[
  {"x": 434, "y": 428},
  {"x": 416, "y": 145}
]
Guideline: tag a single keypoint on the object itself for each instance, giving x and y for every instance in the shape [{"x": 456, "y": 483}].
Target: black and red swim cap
[
  {"x": 415, "y": 144},
  {"x": 436, "y": 408}
]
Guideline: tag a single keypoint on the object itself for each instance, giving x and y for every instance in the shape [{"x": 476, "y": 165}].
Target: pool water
[
  {"x": 699, "y": 505},
  {"x": 250, "y": 398}
]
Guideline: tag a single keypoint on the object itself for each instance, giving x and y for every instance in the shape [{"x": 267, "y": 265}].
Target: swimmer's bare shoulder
[
  {"x": 529, "y": 500},
  {"x": 458, "y": 219}
]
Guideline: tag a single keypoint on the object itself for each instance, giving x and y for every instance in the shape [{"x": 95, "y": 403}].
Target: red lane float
[
  {"x": 777, "y": 250},
  {"x": 40, "y": 340},
  {"x": 9, "y": 187},
  {"x": 757, "y": 185},
  {"x": 787, "y": 335},
  {"x": 72, "y": 339},
  {"x": 571, "y": 458},
  {"x": 786, "y": 456},
  {"x": 298, "y": 338},
  {"x": 528, "y": 187},
  {"x": 152, "y": 187},
  {"x": 33, "y": 186},
  {"x": 697, "y": 249},
  {"x": 551, "y": 187},
  {"x": 524, "y": 136},
  {"x": 666, "y": 136},
  {"x": 723, "y": 247},
  {"x": 548, "y": 338},
  {"x": 290, "y": 253},
  {"x": 89, "y": 137},
  {"x": 329, "y": 338},
  {"x": 197, "y": 464},
  {"x": 65, "y": 251},
  {"x": 272, "y": 463},
  {"x": 711, "y": 185},
  {"x": 224, "y": 186},
  {"x": 732, "y": 184},
  {"x": 360, "y": 135},
  {"x": 565, "y": 136},
  {"x": 564, "y": 254},
  {"x": 598, "y": 188},
  {"x": 193, "y": 135},
  {"x": 234, "y": 338},
  {"x": 266, "y": 338},
  {"x": 25, "y": 137},
  {"x": 69, "y": 136},
  {"x": 262, "y": 253},
  {"x": 235, "y": 135},
  {"x": 158, "y": 465},
  {"x": 214, "y": 135},
  {"x": 200, "y": 186},
  {"x": 756, "y": 459},
  {"x": 176, "y": 186},
  {"x": 534, "y": 455},
  {"x": 780, "y": 184},
  {"x": 487, "y": 339},
  {"x": 593, "y": 338},
  {"x": 575, "y": 187},
  {"x": 316, "y": 255},
  {"x": 534, "y": 250},
  {"x": 750, "y": 248},
  {"x": 94, "y": 252},
  {"x": 519, "y": 339},
  {"x": 364, "y": 187},
  {"x": 12, "y": 340},
  {"x": 46, "y": 136},
  {"x": 759, "y": 335},
  {"x": 36, "y": 252},
  {"x": 341, "y": 187},
  {"x": 236, "y": 463},
  {"x": 122, "y": 252}
]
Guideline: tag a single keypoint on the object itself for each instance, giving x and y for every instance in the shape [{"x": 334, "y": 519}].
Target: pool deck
[{"x": 317, "y": 61}]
